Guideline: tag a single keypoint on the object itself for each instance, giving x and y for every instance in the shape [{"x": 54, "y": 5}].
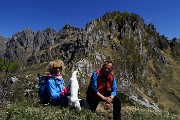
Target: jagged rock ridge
[{"x": 142, "y": 57}]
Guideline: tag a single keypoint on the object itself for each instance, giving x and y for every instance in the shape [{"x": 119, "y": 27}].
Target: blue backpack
[{"x": 43, "y": 93}]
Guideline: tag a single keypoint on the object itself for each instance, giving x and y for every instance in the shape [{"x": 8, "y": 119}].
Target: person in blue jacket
[
  {"x": 103, "y": 88},
  {"x": 55, "y": 85}
]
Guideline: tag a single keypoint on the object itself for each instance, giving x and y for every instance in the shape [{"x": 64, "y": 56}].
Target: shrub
[{"x": 6, "y": 66}]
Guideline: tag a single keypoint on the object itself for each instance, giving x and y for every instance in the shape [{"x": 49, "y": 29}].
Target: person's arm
[
  {"x": 100, "y": 95},
  {"x": 113, "y": 93},
  {"x": 93, "y": 85},
  {"x": 93, "y": 82},
  {"x": 114, "y": 88},
  {"x": 52, "y": 89},
  {"x": 65, "y": 90}
]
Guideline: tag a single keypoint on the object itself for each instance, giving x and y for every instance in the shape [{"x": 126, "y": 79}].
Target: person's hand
[
  {"x": 108, "y": 99},
  {"x": 107, "y": 106},
  {"x": 65, "y": 91}
]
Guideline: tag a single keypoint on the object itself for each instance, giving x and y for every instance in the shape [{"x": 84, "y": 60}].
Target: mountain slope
[{"x": 146, "y": 63}]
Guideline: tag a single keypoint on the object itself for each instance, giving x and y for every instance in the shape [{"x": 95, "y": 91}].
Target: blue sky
[{"x": 16, "y": 15}]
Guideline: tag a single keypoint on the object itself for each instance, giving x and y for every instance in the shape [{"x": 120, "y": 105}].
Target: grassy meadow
[{"x": 32, "y": 110}]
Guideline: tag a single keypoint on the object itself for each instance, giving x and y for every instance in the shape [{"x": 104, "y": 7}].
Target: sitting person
[
  {"x": 56, "y": 85},
  {"x": 103, "y": 88}
]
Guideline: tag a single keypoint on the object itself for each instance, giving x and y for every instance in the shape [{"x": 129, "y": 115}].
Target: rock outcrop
[{"x": 143, "y": 58}]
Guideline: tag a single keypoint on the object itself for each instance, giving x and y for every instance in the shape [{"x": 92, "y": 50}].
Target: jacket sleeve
[
  {"x": 93, "y": 82},
  {"x": 53, "y": 89},
  {"x": 114, "y": 87}
]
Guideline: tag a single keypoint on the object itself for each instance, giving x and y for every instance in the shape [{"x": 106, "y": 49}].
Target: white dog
[{"x": 74, "y": 87}]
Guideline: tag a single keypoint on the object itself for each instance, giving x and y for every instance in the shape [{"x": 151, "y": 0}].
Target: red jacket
[{"x": 106, "y": 85}]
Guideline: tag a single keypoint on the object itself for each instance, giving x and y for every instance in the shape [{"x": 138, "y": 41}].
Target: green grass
[
  {"x": 36, "y": 111},
  {"x": 134, "y": 113},
  {"x": 32, "y": 110}
]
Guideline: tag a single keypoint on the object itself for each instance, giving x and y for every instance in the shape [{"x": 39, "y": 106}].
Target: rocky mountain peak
[{"x": 143, "y": 58}]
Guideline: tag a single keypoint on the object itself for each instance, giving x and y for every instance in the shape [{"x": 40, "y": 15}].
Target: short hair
[
  {"x": 55, "y": 63},
  {"x": 107, "y": 62}
]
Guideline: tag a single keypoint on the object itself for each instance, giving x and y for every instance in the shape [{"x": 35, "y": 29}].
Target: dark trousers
[
  {"x": 116, "y": 106},
  {"x": 62, "y": 102}
]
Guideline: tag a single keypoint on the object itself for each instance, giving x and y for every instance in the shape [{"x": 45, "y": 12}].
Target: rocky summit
[{"x": 146, "y": 63}]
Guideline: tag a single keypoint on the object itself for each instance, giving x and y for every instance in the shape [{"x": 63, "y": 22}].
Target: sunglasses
[
  {"x": 60, "y": 68},
  {"x": 108, "y": 69}
]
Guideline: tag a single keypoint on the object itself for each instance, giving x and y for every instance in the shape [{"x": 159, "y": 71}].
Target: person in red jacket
[{"x": 103, "y": 88}]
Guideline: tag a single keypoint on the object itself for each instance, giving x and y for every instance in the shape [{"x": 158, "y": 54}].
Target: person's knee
[
  {"x": 84, "y": 104},
  {"x": 117, "y": 100}
]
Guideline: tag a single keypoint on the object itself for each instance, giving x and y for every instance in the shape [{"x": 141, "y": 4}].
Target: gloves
[{"x": 65, "y": 91}]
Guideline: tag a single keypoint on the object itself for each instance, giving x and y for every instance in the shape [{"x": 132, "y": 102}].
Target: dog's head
[{"x": 76, "y": 74}]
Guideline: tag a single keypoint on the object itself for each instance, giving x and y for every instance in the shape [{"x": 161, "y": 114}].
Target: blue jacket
[{"x": 54, "y": 88}]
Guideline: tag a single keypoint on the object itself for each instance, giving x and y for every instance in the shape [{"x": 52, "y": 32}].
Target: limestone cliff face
[
  {"x": 3, "y": 42},
  {"x": 44, "y": 45},
  {"x": 143, "y": 58}
]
